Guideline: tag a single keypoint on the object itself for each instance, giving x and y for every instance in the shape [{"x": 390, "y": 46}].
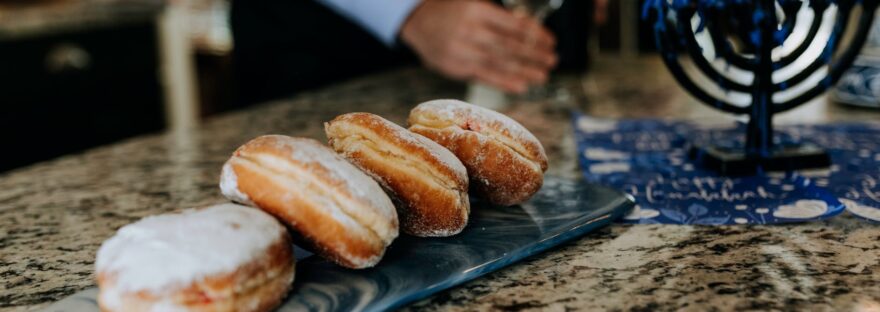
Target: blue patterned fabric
[{"x": 647, "y": 158}]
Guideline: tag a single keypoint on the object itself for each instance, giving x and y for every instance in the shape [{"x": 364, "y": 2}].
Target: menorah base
[{"x": 734, "y": 162}]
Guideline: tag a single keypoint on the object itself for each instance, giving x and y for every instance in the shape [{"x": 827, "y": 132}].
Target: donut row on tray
[{"x": 346, "y": 201}]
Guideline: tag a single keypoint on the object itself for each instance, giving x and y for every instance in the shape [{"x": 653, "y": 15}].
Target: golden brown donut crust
[
  {"x": 259, "y": 285},
  {"x": 427, "y": 182},
  {"x": 505, "y": 162},
  {"x": 308, "y": 197}
]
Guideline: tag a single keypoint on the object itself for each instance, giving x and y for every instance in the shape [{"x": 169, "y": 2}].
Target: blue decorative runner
[{"x": 647, "y": 158}]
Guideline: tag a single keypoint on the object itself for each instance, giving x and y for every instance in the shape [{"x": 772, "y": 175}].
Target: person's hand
[{"x": 478, "y": 40}]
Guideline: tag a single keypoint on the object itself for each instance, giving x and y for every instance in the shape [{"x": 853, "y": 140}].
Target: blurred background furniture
[
  {"x": 77, "y": 74},
  {"x": 83, "y": 73}
]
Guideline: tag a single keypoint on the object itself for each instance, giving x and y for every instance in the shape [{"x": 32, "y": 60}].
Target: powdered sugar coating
[
  {"x": 504, "y": 161},
  {"x": 168, "y": 305},
  {"x": 229, "y": 186},
  {"x": 402, "y": 136},
  {"x": 476, "y": 118},
  {"x": 163, "y": 253},
  {"x": 435, "y": 150},
  {"x": 362, "y": 186},
  {"x": 341, "y": 211}
]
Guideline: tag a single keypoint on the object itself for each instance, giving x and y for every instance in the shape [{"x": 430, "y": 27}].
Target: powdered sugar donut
[
  {"x": 221, "y": 258},
  {"x": 427, "y": 182},
  {"x": 504, "y": 161},
  {"x": 340, "y": 211}
]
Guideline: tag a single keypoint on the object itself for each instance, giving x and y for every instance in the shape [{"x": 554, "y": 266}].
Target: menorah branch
[
  {"x": 843, "y": 62},
  {"x": 757, "y": 28}
]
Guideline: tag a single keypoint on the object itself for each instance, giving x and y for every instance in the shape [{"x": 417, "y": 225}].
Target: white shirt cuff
[{"x": 381, "y": 18}]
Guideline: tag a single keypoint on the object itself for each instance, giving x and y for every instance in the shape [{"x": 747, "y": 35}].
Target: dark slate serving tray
[{"x": 414, "y": 268}]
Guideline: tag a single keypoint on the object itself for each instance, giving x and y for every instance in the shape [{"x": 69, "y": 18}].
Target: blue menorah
[{"x": 771, "y": 55}]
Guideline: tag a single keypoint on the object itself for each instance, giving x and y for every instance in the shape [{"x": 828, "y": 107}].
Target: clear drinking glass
[
  {"x": 483, "y": 95},
  {"x": 538, "y": 9}
]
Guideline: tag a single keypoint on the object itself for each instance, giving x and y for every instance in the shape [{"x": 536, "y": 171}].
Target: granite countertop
[{"x": 54, "y": 215}]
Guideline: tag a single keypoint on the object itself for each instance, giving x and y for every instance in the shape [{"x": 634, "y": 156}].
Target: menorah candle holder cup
[{"x": 758, "y": 58}]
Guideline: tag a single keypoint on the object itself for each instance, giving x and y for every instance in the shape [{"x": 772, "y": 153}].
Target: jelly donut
[
  {"x": 340, "y": 212},
  {"x": 425, "y": 180},
  {"x": 221, "y": 258},
  {"x": 504, "y": 161}
]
